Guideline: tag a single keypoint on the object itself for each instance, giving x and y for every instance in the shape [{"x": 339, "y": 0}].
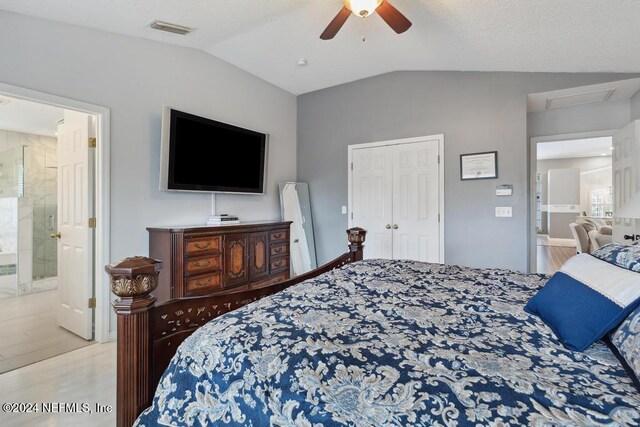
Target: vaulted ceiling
[{"x": 267, "y": 37}]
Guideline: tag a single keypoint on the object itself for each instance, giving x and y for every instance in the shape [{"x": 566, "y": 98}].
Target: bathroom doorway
[
  {"x": 28, "y": 193},
  {"x": 43, "y": 189}
]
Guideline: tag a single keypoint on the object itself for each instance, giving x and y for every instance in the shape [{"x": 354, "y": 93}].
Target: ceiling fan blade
[
  {"x": 335, "y": 25},
  {"x": 396, "y": 20}
]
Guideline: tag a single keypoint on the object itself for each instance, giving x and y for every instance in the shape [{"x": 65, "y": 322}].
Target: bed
[{"x": 380, "y": 342}]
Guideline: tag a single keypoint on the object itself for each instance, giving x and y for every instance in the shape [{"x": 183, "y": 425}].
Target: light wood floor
[
  {"x": 29, "y": 332},
  {"x": 552, "y": 253},
  {"x": 87, "y": 375}
]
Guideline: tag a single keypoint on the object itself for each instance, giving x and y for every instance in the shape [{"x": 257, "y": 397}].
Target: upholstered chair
[
  {"x": 589, "y": 235},
  {"x": 581, "y": 237}
]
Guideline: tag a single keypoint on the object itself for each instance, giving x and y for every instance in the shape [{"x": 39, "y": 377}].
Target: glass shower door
[{"x": 40, "y": 187}]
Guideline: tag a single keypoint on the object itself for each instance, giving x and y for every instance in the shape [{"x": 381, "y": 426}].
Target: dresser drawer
[
  {"x": 202, "y": 244},
  {"x": 279, "y": 249},
  {"x": 204, "y": 284},
  {"x": 275, "y": 236},
  {"x": 279, "y": 263},
  {"x": 271, "y": 280},
  {"x": 202, "y": 264}
]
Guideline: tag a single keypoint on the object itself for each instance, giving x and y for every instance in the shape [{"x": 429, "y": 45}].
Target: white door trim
[
  {"x": 102, "y": 237},
  {"x": 533, "y": 159},
  {"x": 440, "y": 138}
]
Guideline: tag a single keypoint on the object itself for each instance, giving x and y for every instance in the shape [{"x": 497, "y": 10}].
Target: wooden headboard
[{"x": 149, "y": 334}]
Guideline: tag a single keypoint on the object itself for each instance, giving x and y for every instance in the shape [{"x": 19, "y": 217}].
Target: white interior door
[
  {"x": 75, "y": 206},
  {"x": 372, "y": 199},
  {"x": 626, "y": 177},
  {"x": 416, "y": 228}
]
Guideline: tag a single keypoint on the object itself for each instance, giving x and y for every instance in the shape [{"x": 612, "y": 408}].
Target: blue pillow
[
  {"x": 626, "y": 339},
  {"x": 585, "y": 300},
  {"x": 625, "y": 256}
]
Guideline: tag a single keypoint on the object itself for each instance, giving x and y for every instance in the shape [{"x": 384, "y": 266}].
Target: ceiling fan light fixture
[{"x": 362, "y": 8}]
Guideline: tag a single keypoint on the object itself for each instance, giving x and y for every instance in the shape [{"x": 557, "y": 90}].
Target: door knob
[
  {"x": 55, "y": 235},
  {"x": 388, "y": 226},
  {"x": 395, "y": 226}
]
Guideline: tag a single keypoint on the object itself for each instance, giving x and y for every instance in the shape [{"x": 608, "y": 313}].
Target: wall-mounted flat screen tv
[{"x": 200, "y": 154}]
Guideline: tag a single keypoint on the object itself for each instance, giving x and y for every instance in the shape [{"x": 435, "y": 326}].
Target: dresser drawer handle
[
  {"x": 199, "y": 283},
  {"x": 278, "y": 264},
  {"x": 199, "y": 245},
  {"x": 278, "y": 250},
  {"x": 207, "y": 263},
  {"x": 278, "y": 235}
]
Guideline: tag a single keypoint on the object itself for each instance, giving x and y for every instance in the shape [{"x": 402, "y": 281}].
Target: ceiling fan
[{"x": 363, "y": 8}]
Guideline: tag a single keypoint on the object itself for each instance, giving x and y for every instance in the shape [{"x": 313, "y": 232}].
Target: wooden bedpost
[
  {"x": 356, "y": 236},
  {"x": 132, "y": 280}
]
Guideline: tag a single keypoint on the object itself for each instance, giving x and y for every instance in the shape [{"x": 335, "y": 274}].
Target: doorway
[
  {"x": 573, "y": 196},
  {"x": 396, "y": 192},
  {"x": 49, "y": 190}
]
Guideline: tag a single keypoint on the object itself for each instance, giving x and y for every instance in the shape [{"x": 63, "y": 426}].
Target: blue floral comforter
[{"x": 396, "y": 343}]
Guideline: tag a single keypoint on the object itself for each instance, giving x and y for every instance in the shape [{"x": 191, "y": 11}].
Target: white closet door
[
  {"x": 372, "y": 199},
  {"x": 416, "y": 228}
]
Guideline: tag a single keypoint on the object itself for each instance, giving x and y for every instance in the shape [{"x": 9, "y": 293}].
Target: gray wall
[
  {"x": 475, "y": 111},
  {"x": 584, "y": 118},
  {"x": 635, "y": 106},
  {"x": 135, "y": 78},
  {"x": 563, "y": 187}
]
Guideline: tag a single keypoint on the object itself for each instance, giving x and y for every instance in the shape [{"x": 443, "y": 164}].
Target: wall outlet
[
  {"x": 503, "y": 211},
  {"x": 344, "y": 210}
]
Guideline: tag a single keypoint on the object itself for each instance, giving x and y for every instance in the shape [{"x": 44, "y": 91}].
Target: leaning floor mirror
[{"x": 296, "y": 206}]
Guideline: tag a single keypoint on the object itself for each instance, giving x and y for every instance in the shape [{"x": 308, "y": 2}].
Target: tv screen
[{"x": 200, "y": 154}]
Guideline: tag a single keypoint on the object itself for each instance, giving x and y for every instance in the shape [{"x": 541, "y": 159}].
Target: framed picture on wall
[{"x": 479, "y": 165}]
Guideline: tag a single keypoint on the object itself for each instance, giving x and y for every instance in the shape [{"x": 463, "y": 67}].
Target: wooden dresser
[{"x": 219, "y": 259}]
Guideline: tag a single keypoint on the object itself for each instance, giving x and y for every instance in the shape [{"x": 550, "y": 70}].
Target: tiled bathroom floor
[{"x": 29, "y": 331}]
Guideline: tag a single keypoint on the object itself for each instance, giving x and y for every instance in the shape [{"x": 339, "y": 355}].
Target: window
[{"x": 601, "y": 203}]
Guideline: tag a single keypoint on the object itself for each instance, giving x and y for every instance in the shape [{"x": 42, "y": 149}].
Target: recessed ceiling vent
[
  {"x": 170, "y": 28},
  {"x": 579, "y": 99},
  {"x": 4, "y": 101}
]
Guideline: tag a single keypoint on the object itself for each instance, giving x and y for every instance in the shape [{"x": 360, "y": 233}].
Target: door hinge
[
  {"x": 351, "y": 165},
  {"x": 438, "y": 217},
  {"x": 92, "y": 223},
  {"x": 92, "y": 143},
  {"x": 438, "y": 158},
  {"x": 351, "y": 215},
  {"x": 92, "y": 303}
]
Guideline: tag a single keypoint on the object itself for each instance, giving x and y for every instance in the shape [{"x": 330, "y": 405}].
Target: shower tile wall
[
  {"x": 40, "y": 194},
  {"x": 10, "y": 159},
  {"x": 8, "y": 224},
  {"x": 8, "y": 245}
]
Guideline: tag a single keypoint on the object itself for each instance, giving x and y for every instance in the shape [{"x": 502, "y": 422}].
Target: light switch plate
[
  {"x": 504, "y": 190},
  {"x": 344, "y": 210},
  {"x": 503, "y": 212}
]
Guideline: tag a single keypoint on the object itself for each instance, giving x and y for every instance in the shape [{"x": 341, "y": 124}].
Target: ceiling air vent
[
  {"x": 579, "y": 99},
  {"x": 170, "y": 28}
]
